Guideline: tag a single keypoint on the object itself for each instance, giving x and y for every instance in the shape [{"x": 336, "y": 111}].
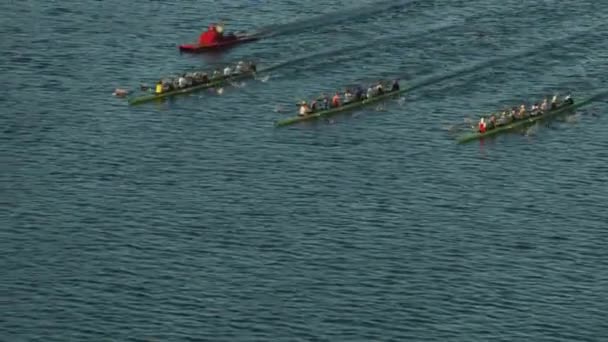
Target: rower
[
  {"x": 379, "y": 89},
  {"x": 370, "y": 92},
  {"x": 303, "y": 109},
  {"x": 216, "y": 74},
  {"x": 534, "y": 109},
  {"x": 239, "y": 67},
  {"x": 252, "y": 67},
  {"x": 544, "y": 105},
  {"x": 204, "y": 78},
  {"x": 482, "y": 125},
  {"x": 348, "y": 96},
  {"x": 167, "y": 86},
  {"x": 325, "y": 102},
  {"x": 492, "y": 121},
  {"x": 568, "y": 100},
  {"x": 514, "y": 113},
  {"x": 503, "y": 119},
  {"x": 359, "y": 94},
  {"x": 522, "y": 111},
  {"x": 395, "y": 86},
  {"x": 313, "y": 106},
  {"x": 182, "y": 82},
  {"x": 335, "y": 101},
  {"x": 159, "y": 87},
  {"x": 554, "y": 102},
  {"x": 227, "y": 71}
]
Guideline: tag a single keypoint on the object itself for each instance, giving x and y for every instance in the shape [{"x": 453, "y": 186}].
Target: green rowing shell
[
  {"x": 211, "y": 84},
  {"x": 527, "y": 121},
  {"x": 341, "y": 109}
]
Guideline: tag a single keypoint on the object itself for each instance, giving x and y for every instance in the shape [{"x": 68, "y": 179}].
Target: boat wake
[
  {"x": 537, "y": 50},
  {"x": 329, "y": 18},
  {"x": 412, "y": 37}
]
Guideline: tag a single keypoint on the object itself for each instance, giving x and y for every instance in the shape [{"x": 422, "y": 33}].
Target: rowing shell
[
  {"x": 341, "y": 109},
  {"x": 212, "y": 83},
  {"x": 527, "y": 121}
]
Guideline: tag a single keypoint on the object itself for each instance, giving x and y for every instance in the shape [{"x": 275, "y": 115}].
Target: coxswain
[
  {"x": 227, "y": 71},
  {"x": 568, "y": 100},
  {"x": 335, "y": 101},
  {"x": 482, "y": 125},
  {"x": 159, "y": 87},
  {"x": 554, "y": 102},
  {"x": 395, "y": 86},
  {"x": 119, "y": 92},
  {"x": 304, "y": 110}
]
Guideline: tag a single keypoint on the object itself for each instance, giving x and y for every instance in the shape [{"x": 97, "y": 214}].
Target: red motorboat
[{"x": 214, "y": 39}]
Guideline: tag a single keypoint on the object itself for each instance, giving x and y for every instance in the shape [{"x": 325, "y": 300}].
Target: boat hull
[
  {"x": 196, "y": 48},
  {"x": 524, "y": 122},
  {"x": 341, "y": 109},
  {"x": 173, "y": 93}
]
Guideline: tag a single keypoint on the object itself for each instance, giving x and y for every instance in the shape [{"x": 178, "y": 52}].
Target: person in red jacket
[
  {"x": 335, "y": 101},
  {"x": 482, "y": 126},
  {"x": 209, "y": 37}
]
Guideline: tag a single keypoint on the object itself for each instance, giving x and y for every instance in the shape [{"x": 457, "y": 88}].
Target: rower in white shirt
[{"x": 227, "y": 71}]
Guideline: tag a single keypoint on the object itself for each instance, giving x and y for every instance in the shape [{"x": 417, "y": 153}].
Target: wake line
[
  {"x": 330, "y": 18},
  {"x": 480, "y": 66},
  {"x": 414, "y": 37}
]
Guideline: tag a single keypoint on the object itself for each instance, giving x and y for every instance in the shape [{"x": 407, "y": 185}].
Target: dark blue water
[{"x": 196, "y": 219}]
